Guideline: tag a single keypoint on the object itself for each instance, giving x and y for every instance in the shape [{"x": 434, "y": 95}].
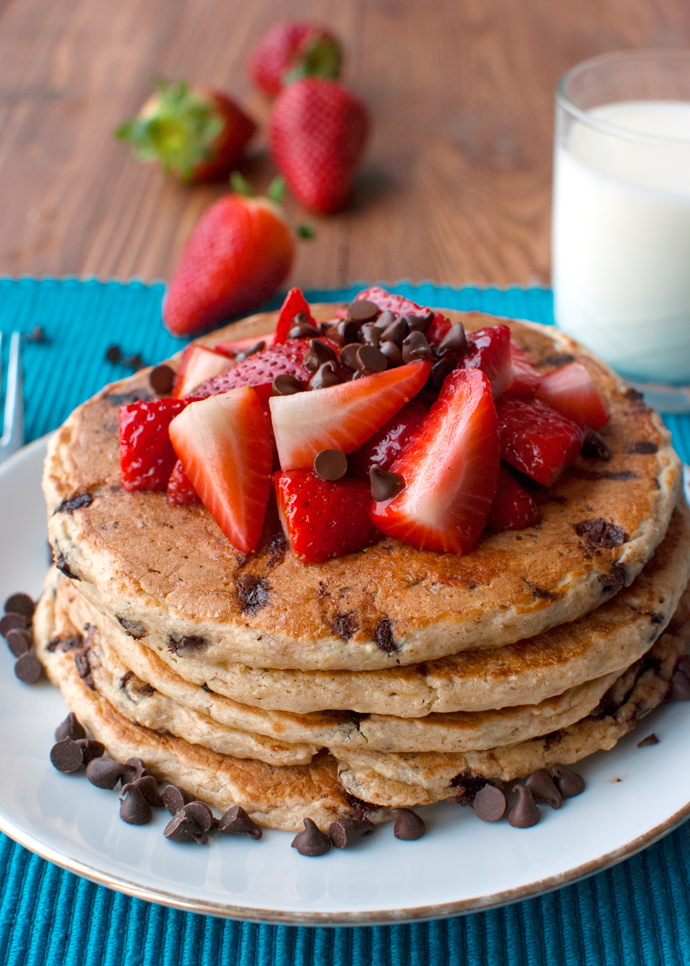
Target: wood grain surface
[{"x": 455, "y": 186}]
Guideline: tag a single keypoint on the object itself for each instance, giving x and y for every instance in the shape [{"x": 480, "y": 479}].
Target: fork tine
[{"x": 13, "y": 426}]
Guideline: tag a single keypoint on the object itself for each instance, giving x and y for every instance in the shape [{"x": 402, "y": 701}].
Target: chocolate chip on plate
[
  {"x": 162, "y": 379},
  {"x": 489, "y": 803},
  {"x": 362, "y": 310},
  {"x": 133, "y": 768},
  {"x": 134, "y": 809},
  {"x": 568, "y": 782},
  {"x": 70, "y": 728},
  {"x": 543, "y": 788},
  {"x": 649, "y": 740},
  {"x": 9, "y": 622},
  {"x": 90, "y": 749},
  {"x": 371, "y": 358},
  {"x": 190, "y": 824},
  {"x": 66, "y": 756},
  {"x": 104, "y": 772},
  {"x": 384, "y": 484},
  {"x": 311, "y": 841},
  {"x": 175, "y": 798},
  {"x": 148, "y": 786},
  {"x": 408, "y": 825},
  {"x": 525, "y": 812},
  {"x": 28, "y": 668},
  {"x": 346, "y": 831},
  {"x": 19, "y": 641},
  {"x": 20, "y": 604},
  {"x": 236, "y": 822},
  {"x": 330, "y": 465}
]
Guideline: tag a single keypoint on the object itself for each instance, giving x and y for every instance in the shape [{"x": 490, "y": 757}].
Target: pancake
[{"x": 387, "y": 606}]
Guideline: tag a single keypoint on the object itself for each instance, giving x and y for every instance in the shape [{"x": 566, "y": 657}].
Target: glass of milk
[{"x": 621, "y": 216}]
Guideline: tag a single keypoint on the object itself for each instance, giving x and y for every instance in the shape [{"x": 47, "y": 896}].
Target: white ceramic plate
[{"x": 634, "y": 796}]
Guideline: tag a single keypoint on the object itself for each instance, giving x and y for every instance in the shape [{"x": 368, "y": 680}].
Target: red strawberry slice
[
  {"x": 260, "y": 369},
  {"x": 526, "y": 379},
  {"x": 537, "y": 440},
  {"x": 450, "y": 468},
  {"x": 225, "y": 451},
  {"x": 387, "y": 444},
  {"x": 146, "y": 454},
  {"x": 343, "y": 416},
  {"x": 402, "y": 306},
  {"x": 294, "y": 304},
  {"x": 571, "y": 392},
  {"x": 196, "y": 366},
  {"x": 180, "y": 489},
  {"x": 321, "y": 519},
  {"x": 513, "y": 507},
  {"x": 231, "y": 347},
  {"x": 490, "y": 352}
]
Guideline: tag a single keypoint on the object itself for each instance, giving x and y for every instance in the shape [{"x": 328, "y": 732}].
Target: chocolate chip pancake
[{"x": 173, "y": 581}]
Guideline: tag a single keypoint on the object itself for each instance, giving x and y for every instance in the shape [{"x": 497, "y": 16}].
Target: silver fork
[{"x": 12, "y": 437}]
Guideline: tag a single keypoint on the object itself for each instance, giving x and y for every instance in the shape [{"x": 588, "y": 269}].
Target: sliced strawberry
[
  {"x": 537, "y": 440},
  {"x": 490, "y": 352},
  {"x": 196, "y": 366},
  {"x": 387, "y": 444},
  {"x": 180, "y": 489},
  {"x": 513, "y": 508},
  {"x": 231, "y": 347},
  {"x": 260, "y": 369},
  {"x": 450, "y": 468},
  {"x": 402, "y": 306},
  {"x": 341, "y": 417},
  {"x": 294, "y": 304},
  {"x": 223, "y": 444},
  {"x": 526, "y": 379},
  {"x": 146, "y": 454},
  {"x": 571, "y": 392},
  {"x": 321, "y": 519}
]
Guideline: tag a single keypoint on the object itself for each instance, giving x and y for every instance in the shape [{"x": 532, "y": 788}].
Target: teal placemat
[{"x": 635, "y": 913}]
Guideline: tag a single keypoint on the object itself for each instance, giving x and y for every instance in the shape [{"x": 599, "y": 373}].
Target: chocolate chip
[
  {"x": 66, "y": 756},
  {"x": 162, "y": 379},
  {"x": 408, "y": 825},
  {"x": 76, "y": 502},
  {"x": 312, "y": 841},
  {"x": 324, "y": 378},
  {"x": 175, "y": 798},
  {"x": 454, "y": 342},
  {"x": 285, "y": 385},
  {"x": 201, "y": 814},
  {"x": 441, "y": 370},
  {"x": 28, "y": 668},
  {"x": 679, "y": 687},
  {"x": 384, "y": 320},
  {"x": 348, "y": 331},
  {"x": 190, "y": 824},
  {"x": 148, "y": 786},
  {"x": 392, "y": 353},
  {"x": 384, "y": 485},
  {"x": 236, "y": 822},
  {"x": 330, "y": 464},
  {"x": 20, "y": 604},
  {"x": 416, "y": 347},
  {"x": 594, "y": 447},
  {"x": 134, "y": 809},
  {"x": 370, "y": 358},
  {"x": 600, "y": 533},
  {"x": 252, "y": 350},
  {"x": 371, "y": 334},
  {"x": 560, "y": 359},
  {"x": 36, "y": 335},
  {"x": 10, "y": 622},
  {"x": 383, "y": 635},
  {"x": 90, "y": 749},
  {"x": 489, "y": 803},
  {"x": 525, "y": 812},
  {"x": 134, "y": 768},
  {"x": 181, "y": 642},
  {"x": 133, "y": 362},
  {"x": 568, "y": 782},
  {"x": 395, "y": 332},
  {"x": 346, "y": 831},
  {"x": 70, "y": 728},
  {"x": 362, "y": 311},
  {"x": 19, "y": 641},
  {"x": 543, "y": 788},
  {"x": 302, "y": 330},
  {"x": 318, "y": 353},
  {"x": 104, "y": 772},
  {"x": 418, "y": 323},
  {"x": 113, "y": 354},
  {"x": 649, "y": 740},
  {"x": 644, "y": 448},
  {"x": 64, "y": 567},
  {"x": 348, "y": 355},
  {"x": 331, "y": 332}
]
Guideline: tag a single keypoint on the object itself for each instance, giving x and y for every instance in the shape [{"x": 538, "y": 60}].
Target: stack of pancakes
[{"x": 390, "y": 677}]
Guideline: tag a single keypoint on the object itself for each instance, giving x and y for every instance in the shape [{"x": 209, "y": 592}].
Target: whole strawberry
[
  {"x": 317, "y": 134},
  {"x": 195, "y": 132},
  {"x": 294, "y": 49},
  {"x": 239, "y": 253}
]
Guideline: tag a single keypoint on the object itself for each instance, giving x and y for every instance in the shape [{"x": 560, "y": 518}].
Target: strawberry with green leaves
[
  {"x": 294, "y": 49},
  {"x": 196, "y": 132}
]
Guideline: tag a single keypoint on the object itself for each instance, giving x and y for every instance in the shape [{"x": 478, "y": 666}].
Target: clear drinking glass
[{"x": 621, "y": 217}]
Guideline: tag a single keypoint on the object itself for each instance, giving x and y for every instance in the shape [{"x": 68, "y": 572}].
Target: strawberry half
[
  {"x": 387, "y": 444},
  {"x": 322, "y": 519},
  {"x": 196, "y": 366},
  {"x": 294, "y": 304},
  {"x": 224, "y": 448},
  {"x": 180, "y": 489},
  {"x": 571, "y": 392},
  {"x": 526, "y": 379},
  {"x": 537, "y": 440},
  {"x": 513, "y": 508},
  {"x": 450, "y": 468},
  {"x": 341, "y": 417},
  {"x": 146, "y": 454},
  {"x": 402, "y": 306},
  {"x": 490, "y": 352},
  {"x": 260, "y": 369}
]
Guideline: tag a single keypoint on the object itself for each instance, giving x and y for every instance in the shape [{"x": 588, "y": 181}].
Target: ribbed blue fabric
[{"x": 636, "y": 913}]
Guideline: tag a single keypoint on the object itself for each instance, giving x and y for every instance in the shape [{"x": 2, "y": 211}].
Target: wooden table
[{"x": 456, "y": 182}]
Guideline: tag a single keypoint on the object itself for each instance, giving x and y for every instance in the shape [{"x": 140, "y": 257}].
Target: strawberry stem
[
  {"x": 276, "y": 190},
  {"x": 306, "y": 232},
  {"x": 241, "y": 185}
]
